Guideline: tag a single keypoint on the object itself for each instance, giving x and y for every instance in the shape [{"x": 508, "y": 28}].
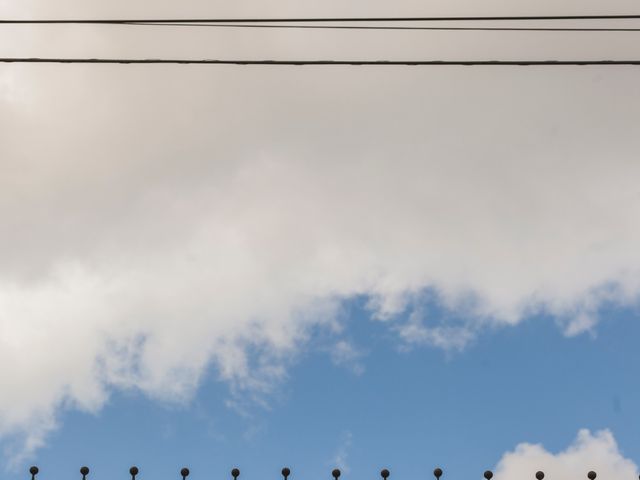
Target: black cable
[
  {"x": 354, "y": 27},
  {"x": 325, "y": 19},
  {"x": 325, "y": 62}
]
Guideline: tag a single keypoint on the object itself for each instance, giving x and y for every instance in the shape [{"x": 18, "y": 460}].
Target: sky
[{"x": 318, "y": 267}]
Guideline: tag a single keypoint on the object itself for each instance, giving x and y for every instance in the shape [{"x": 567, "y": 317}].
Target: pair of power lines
[{"x": 478, "y": 23}]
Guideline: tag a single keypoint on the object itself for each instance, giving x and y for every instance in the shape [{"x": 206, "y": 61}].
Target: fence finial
[
  {"x": 384, "y": 473},
  {"x": 488, "y": 474},
  {"x": 437, "y": 473},
  {"x": 235, "y": 473},
  {"x": 134, "y": 471},
  {"x": 185, "y": 473},
  {"x": 335, "y": 473},
  {"x": 592, "y": 475},
  {"x": 540, "y": 475},
  {"x": 286, "y": 472},
  {"x": 84, "y": 471},
  {"x": 34, "y": 471}
]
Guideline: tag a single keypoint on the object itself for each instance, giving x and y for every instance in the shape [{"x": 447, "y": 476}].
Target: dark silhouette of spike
[
  {"x": 540, "y": 475},
  {"x": 488, "y": 474},
  {"x": 335, "y": 473},
  {"x": 437, "y": 473},
  {"x": 592, "y": 475},
  {"x": 84, "y": 471},
  {"x": 185, "y": 473},
  {"x": 384, "y": 473},
  {"x": 285, "y": 473},
  {"x": 134, "y": 471}
]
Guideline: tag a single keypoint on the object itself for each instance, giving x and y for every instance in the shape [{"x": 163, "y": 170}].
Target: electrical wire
[
  {"x": 321, "y": 19},
  {"x": 147, "y": 61},
  {"x": 360, "y": 27}
]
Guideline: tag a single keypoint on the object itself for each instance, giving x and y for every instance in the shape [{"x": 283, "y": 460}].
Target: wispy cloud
[
  {"x": 345, "y": 354},
  {"x": 415, "y": 332},
  {"x": 341, "y": 458}
]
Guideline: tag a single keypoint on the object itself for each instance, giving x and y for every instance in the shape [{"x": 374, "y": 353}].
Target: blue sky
[{"x": 408, "y": 410}]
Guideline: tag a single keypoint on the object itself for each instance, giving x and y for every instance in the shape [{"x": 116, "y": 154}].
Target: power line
[
  {"x": 360, "y": 27},
  {"x": 148, "y": 61},
  {"x": 321, "y": 19}
]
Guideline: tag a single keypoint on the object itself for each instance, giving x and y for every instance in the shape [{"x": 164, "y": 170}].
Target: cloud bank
[
  {"x": 589, "y": 452},
  {"x": 158, "y": 223}
]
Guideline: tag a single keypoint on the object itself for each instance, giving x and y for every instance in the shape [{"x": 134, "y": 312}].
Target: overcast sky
[{"x": 189, "y": 239}]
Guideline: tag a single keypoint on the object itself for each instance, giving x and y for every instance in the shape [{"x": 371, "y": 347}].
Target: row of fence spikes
[{"x": 235, "y": 473}]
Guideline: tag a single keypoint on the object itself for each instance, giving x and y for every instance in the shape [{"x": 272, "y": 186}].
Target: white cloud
[
  {"x": 345, "y": 354},
  {"x": 341, "y": 459},
  {"x": 160, "y": 222},
  {"x": 448, "y": 337},
  {"x": 590, "y": 452}
]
